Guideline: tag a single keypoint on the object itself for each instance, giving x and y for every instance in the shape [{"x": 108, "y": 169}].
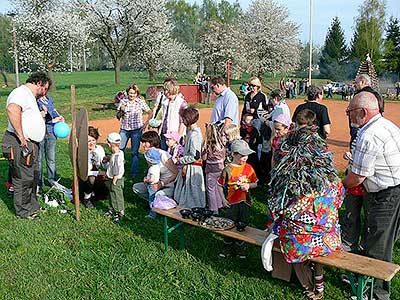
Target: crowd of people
[{"x": 264, "y": 144}]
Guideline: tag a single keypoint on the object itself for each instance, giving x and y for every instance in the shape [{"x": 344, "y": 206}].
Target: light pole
[
  {"x": 12, "y": 15},
  {"x": 310, "y": 42}
]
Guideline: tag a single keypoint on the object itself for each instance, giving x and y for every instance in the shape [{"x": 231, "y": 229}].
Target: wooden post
[
  {"x": 74, "y": 155},
  {"x": 228, "y": 67}
]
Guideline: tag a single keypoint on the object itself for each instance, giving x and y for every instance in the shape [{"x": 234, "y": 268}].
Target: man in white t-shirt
[{"x": 25, "y": 130}]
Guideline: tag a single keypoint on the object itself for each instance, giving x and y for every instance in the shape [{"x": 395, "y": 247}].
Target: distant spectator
[
  {"x": 254, "y": 102},
  {"x": 314, "y": 96},
  {"x": 329, "y": 87},
  {"x": 132, "y": 124}
]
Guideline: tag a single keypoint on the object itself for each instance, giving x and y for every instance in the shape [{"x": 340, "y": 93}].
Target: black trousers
[
  {"x": 25, "y": 174},
  {"x": 238, "y": 212},
  {"x": 382, "y": 230},
  {"x": 351, "y": 223}
]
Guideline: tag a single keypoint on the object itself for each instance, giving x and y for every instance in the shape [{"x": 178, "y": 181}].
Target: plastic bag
[{"x": 163, "y": 202}]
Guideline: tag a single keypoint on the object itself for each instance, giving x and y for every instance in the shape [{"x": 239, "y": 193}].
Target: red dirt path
[{"x": 337, "y": 141}]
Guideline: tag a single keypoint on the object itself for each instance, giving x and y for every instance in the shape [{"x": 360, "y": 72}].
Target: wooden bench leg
[
  {"x": 168, "y": 230},
  {"x": 364, "y": 284}
]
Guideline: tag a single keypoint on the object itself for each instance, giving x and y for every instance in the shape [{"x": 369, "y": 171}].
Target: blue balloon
[{"x": 61, "y": 130}]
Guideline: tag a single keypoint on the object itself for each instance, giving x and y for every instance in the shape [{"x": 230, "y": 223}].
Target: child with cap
[
  {"x": 236, "y": 180},
  {"x": 115, "y": 174},
  {"x": 174, "y": 148},
  {"x": 153, "y": 158}
]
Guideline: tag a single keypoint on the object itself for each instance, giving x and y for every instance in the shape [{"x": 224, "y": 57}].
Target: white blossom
[{"x": 271, "y": 38}]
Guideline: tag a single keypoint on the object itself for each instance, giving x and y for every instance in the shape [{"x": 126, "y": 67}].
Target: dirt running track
[{"x": 337, "y": 141}]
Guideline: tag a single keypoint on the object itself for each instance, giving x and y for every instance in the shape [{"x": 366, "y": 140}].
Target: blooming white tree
[
  {"x": 125, "y": 26},
  {"x": 271, "y": 38},
  {"x": 222, "y": 42},
  {"x": 157, "y": 50},
  {"x": 46, "y": 31}
]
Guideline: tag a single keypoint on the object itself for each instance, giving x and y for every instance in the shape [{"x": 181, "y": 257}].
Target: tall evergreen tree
[
  {"x": 334, "y": 52},
  {"x": 368, "y": 34},
  {"x": 392, "y": 46}
]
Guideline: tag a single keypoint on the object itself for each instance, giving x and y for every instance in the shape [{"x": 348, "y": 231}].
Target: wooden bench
[
  {"x": 367, "y": 268},
  {"x": 106, "y": 105}
]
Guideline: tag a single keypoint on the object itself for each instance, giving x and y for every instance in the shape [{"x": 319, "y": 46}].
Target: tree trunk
[
  {"x": 151, "y": 69},
  {"x": 117, "y": 66},
  {"x": 50, "y": 67}
]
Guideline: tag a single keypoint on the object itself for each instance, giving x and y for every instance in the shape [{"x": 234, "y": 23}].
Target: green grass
[{"x": 57, "y": 257}]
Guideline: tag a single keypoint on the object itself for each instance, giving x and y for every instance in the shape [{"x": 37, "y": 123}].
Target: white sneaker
[{"x": 51, "y": 203}]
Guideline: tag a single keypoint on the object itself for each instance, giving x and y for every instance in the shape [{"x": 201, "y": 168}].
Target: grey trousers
[
  {"x": 24, "y": 176},
  {"x": 382, "y": 230},
  {"x": 351, "y": 223}
]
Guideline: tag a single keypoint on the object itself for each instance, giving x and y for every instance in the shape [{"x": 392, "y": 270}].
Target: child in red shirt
[{"x": 236, "y": 180}]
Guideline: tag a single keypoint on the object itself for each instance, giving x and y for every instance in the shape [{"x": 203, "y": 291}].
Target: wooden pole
[
  {"x": 310, "y": 43},
  {"x": 75, "y": 154}
]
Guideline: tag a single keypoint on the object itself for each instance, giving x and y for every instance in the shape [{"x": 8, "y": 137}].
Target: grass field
[{"x": 57, "y": 257}]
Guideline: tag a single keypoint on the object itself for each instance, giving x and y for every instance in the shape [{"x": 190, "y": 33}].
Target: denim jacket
[{"x": 52, "y": 113}]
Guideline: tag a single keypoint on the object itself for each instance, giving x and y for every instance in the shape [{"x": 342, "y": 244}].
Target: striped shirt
[
  {"x": 133, "y": 117},
  {"x": 377, "y": 154}
]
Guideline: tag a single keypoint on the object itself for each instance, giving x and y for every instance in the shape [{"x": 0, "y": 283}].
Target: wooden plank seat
[{"x": 367, "y": 268}]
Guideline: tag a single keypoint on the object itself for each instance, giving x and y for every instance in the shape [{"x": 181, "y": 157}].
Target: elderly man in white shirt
[{"x": 376, "y": 164}]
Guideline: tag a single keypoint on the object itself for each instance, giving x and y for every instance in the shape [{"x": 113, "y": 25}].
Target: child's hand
[
  {"x": 225, "y": 203},
  {"x": 115, "y": 181},
  {"x": 244, "y": 187}
]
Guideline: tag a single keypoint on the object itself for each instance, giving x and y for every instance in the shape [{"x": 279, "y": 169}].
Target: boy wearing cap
[
  {"x": 174, "y": 148},
  {"x": 153, "y": 158},
  {"x": 236, "y": 180},
  {"x": 115, "y": 175}
]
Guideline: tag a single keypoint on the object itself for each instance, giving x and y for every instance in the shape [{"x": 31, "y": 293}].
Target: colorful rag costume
[
  {"x": 306, "y": 194},
  {"x": 309, "y": 226}
]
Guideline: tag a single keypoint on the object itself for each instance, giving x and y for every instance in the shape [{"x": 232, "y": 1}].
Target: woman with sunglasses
[{"x": 255, "y": 102}]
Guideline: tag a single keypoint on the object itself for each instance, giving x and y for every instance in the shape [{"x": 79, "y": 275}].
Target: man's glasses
[{"x": 348, "y": 110}]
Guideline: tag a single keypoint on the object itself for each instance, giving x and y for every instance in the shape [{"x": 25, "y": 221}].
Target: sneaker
[
  {"x": 226, "y": 251},
  {"x": 110, "y": 213},
  {"x": 311, "y": 295},
  {"x": 117, "y": 217},
  {"x": 240, "y": 252},
  {"x": 347, "y": 278},
  {"x": 41, "y": 210},
  {"x": 33, "y": 216},
  {"x": 87, "y": 203},
  {"x": 10, "y": 190},
  {"x": 151, "y": 215}
]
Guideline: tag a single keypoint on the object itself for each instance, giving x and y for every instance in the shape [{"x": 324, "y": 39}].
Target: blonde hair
[
  {"x": 213, "y": 141},
  {"x": 172, "y": 87},
  {"x": 256, "y": 81},
  {"x": 232, "y": 132}
]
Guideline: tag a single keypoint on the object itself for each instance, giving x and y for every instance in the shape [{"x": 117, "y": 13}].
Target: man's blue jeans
[
  {"x": 48, "y": 148},
  {"x": 135, "y": 136}
]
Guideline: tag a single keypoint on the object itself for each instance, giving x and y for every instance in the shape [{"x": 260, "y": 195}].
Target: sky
[{"x": 324, "y": 12}]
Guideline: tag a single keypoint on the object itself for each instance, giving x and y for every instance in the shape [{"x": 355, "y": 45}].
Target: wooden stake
[{"x": 74, "y": 154}]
